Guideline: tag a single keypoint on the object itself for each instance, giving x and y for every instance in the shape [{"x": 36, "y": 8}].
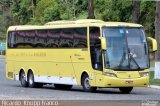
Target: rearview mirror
[
  {"x": 152, "y": 44},
  {"x": 103, "y": 43}
]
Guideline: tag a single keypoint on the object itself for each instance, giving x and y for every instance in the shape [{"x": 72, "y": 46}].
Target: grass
[
  {"x": 152, "y": 80},
  {"x": 152, "y": 62}
]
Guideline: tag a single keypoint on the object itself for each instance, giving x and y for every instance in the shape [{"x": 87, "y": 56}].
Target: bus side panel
[
  {"x": 62, "y": 60},
  {"x": 82, "y": 63},
  {"x": 9, "y": 66},
  {"x": 9, "y": 70},
  {"x": 53, "y": 65}
]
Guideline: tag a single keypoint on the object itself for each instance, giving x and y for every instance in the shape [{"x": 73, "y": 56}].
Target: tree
[
  {"x": 47, "y": 10},
  {"x": 5, "y": 17},
  {"x": 136, "y": 10},
  {"x": 34, "y": 2},
  {"x": 22, "y": 11},
  {"x": 113, "y": 10},
  {"x": 91, "y": 9},
  {"x": 67, "y": 9},
  {"x": 147, "y": 16},
  {"x": 51, "y": 14},
  {"x": 157, "y": 32}
]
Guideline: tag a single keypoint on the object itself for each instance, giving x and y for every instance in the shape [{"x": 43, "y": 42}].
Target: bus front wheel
[
  {"x": 126, "y": 90},
  {"x": 23, "y": 81},
  {"x": 85, "y": 84}
]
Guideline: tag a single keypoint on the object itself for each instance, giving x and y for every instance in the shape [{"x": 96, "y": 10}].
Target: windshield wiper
[
  {"x": 122, "y": 60},
  {"x": 130, "y": 57}
]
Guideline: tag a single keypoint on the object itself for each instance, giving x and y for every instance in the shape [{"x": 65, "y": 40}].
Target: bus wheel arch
[
  {"x": 85, "y": 83},
  {"x": 22, "y": 78},
  {"x": 20, "y": 72},
  {"x": 84, "y": 73}
]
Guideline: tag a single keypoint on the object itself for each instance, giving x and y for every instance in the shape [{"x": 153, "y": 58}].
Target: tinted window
[
  {"x": 95, "y": 48},
  {"x": 50, "y": 38},
  {"x": 66, "y": 38},
  {"x": 19, "y": 39},
  {"x": 80, "y": 38},
  {"x": 41, "y": 38},
  {"x": 11, "y": 39},
  {"x": 29, "y": 39},
  {"x": 53, "y": 37}
]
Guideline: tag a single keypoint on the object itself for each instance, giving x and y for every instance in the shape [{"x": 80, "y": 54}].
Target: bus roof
[
  {"x": 77, "y": 23},
  {"x": 92, "y": 22}
]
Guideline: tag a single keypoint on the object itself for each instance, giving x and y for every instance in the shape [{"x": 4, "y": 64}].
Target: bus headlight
[
  {"x": 109, "y": 74},
  {"x": 144, "y": 74}
]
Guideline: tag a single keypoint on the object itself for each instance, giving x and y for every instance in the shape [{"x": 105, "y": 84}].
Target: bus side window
[
  {"x": 95, "y": 48},
  {"x": 80, "y": 38},
  {"x": 53, "y": 37},
  {"x": 11, "y": 40},
  {"x": 19, "y": 40},
  {"x": 66, "y": 38},
  {"x": 30, "y": 38},
  {"x": 40, "y": 38}
]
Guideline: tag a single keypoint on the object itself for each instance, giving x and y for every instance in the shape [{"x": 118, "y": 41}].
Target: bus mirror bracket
[
  {"x": 103, "y": 43},
  {"x": 153, "y": 44}
]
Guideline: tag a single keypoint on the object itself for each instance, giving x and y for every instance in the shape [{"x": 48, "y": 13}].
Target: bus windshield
[{"x": 126, "y": 48}]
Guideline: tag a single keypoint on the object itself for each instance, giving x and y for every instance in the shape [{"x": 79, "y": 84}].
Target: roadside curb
[{"x": 154, "y": 86}]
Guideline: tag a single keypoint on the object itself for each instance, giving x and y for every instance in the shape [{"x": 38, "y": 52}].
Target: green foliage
[
  {"x": 7, "y": 3},
  {"x": 147, "y": 18},
  {"x": 24, "y": 12},
  {"x": 2, "y": 28},
  {"x": 113, "y": 10},
  {"x": 51, "y": 14},
  {"x": 153, "y": 81},
  {"x": 47, "y": 10}
]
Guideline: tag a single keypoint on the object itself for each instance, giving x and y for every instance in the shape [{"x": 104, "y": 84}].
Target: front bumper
[{"x": 119, "y": 82}]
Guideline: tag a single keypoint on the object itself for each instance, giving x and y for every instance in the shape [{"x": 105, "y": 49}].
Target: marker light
[
  {"x": 144, "y": 74},
  {"x": 109, "y": 74}
]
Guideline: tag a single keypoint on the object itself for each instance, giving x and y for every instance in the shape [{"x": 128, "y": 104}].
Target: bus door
[{"x": 96, "y": 54}]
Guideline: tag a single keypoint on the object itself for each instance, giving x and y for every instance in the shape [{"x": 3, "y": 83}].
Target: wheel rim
[
  {"x": 30, "y": 79},
  {"x": 23, "y": 78},
  {"x": 86, "y": 83}
]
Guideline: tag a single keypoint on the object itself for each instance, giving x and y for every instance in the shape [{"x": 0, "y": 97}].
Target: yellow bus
[{"x": 87, "y": 52}]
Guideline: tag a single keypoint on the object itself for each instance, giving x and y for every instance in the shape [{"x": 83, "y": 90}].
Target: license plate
[{"x": 129, "y": 82}]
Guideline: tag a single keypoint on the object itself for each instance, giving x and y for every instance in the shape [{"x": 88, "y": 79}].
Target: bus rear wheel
[
  {"x": 85, "y": 84},
  {"x": 31, "y": 82},
  {"x": 126, "y": 90},
  {"x": 23, "y": 81}
]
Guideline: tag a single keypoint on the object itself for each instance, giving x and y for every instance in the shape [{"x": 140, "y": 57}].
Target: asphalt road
[{"x": 13, "y": 90}]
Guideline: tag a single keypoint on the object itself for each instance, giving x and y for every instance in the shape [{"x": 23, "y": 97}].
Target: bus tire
[
  {"x": 23, "y": 81},
  {"x": 85, "y": 84},
  {"x": 126, "y": 90},
  {"x": 31, "y": 82},
  {"x": 62, "y": 86}
]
